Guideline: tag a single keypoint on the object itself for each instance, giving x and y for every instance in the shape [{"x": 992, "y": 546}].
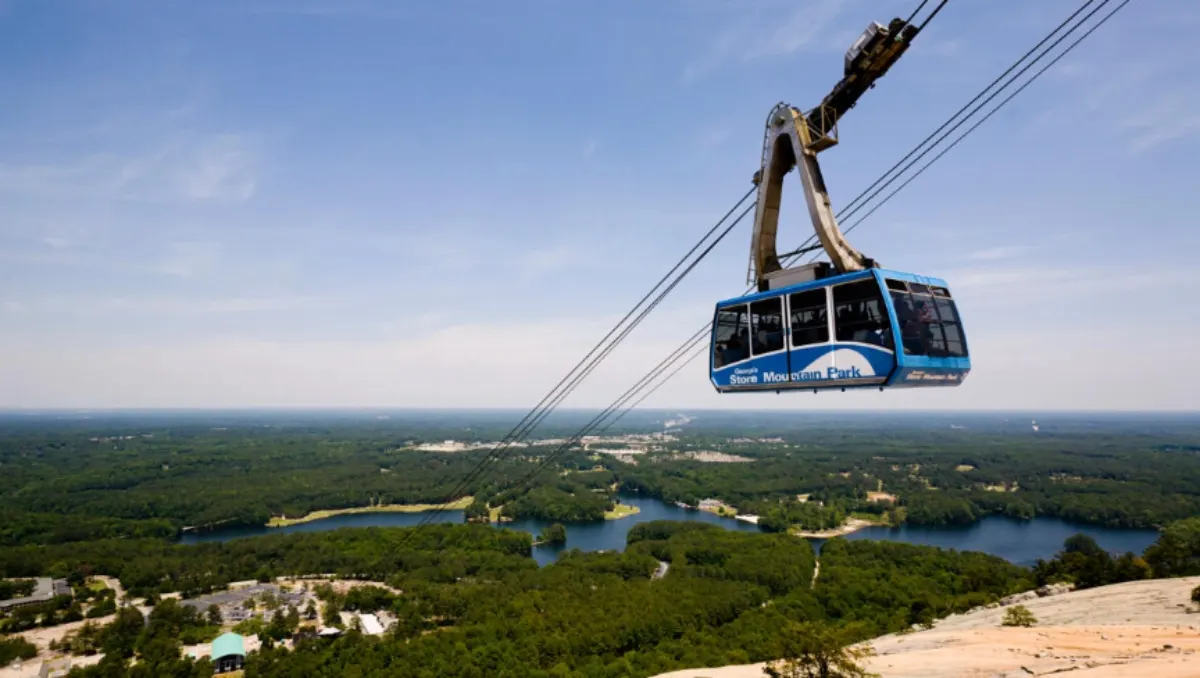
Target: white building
[{"x": 370, "y": 624}]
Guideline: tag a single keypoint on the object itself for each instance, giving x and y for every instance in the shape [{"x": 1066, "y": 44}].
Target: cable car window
[
  {"x": 955, "y": 346},
  {"x": 730, "y": 343},
  {"x": 810, "y": 319},
  {"x": 766, "y": 325},
  {"x": 951, "y": 324},
  {"x": 929, "y": 323},
  {"x": 931, "y": 328},
  {"x": 859, "y": 314},
  {"x": 946, "y": 311},
  {"x": 911, "y": 332}
]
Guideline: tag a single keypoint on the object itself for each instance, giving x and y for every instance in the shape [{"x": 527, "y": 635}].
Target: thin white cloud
[
  {"x": 1000, "y": 252},
  {"x": 221, "y": 167},
  {"x": 589, "y": 149},
  {"x": 59, "y": 242},
  {"x": 1156, "y": 100},
  {"x": 943, "y": 48},
  {"x": 771, "y": 30},
  {"x": 12, "y": 306},
  {"x": 518, "y": 362},
  {"x": 712, "y": 137},
  {"x": 1170, "y": 116},
  {"x": 1044, "y": 288},
  {"x": 187, "y": 259},
  {"x": 539, "y": 262},
  {"x": 804, "y": 26},
  {"x": 165, "y": 305}
]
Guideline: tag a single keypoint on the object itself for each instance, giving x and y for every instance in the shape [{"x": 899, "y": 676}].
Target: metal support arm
[
  {"x": 788, "y": 144},
  {"x": 794, "y": 139}
]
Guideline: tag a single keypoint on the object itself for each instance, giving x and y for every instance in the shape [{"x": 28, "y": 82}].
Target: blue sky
[{"x": 357, "y": 202}]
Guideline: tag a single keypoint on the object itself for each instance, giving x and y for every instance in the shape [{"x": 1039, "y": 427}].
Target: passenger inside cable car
[{"x": 843, "y": 333}]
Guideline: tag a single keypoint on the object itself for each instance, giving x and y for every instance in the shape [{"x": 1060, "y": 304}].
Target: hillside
[{"x": 1140, "y": 628}]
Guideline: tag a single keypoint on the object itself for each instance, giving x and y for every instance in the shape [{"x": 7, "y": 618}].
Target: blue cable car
[
  {"x": 871, "y": 328},
  {"x": 846, "y": 323}
]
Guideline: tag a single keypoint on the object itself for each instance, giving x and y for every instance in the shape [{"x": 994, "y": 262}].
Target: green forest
[
  {"x": 112, "y": 497},
  {"x": 474, "y": 605},
  {"x": 152, "y": 478}
]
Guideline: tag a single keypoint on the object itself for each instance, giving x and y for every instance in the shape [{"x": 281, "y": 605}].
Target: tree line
[{"x": 69, "y": 484}]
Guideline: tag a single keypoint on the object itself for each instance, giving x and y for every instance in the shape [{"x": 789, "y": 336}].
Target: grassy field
[
  {"x": 621, "y": 511},
  {"x": 870, "y": 518},
  {"x": 281, "y": 521}
]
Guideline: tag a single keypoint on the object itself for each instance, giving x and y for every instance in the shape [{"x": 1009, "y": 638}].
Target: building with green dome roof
[{"x": 228, "y": 653}]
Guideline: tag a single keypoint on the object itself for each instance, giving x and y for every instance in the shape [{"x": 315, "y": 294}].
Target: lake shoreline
[
  {"x": 284, "y": 521},
  {"x": 851, "y": 526},
  {"x": 619, "y": 511},
  {"x": 1020, "y": 542}
]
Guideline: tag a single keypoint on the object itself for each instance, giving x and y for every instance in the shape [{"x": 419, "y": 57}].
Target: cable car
[
  {"x": 846, "y": 323},
  {"x": 872, "y": 328}
]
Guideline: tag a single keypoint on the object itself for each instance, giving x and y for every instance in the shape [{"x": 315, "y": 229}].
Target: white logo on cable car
[
  {"x": 919, "y": 375},
  {"x": 847, "y": 364},
  {"x": 841, "y": 363},
  {"x": 744, "y": 375}
]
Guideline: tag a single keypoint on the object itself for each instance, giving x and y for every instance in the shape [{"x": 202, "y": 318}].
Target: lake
[{"x": 1020, "y": 542}]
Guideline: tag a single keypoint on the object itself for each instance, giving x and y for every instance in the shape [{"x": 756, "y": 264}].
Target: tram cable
[
  {"x": 916, "y": 11},
  {"x": 541, "y": 410},
  {"x": 654, "y": 389},
  {"x": 607, "y": 412},
  {"x": 591, "y": 360},
  {"x": 932, "y": 14},
  {"x": 645, "y": 312},
  {"x": 697, "y": 339}
]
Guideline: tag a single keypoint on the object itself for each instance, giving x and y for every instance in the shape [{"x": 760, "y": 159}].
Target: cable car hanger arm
[{"x": 793, "y": 138}]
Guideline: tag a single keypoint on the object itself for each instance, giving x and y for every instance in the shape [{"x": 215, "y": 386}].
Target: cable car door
[
  {"x": 768, "y": 341},
  {"x": 809, "y": 352}
]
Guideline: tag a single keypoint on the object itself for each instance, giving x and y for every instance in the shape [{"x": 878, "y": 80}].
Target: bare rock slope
[{"x": 1133, "y": 629}]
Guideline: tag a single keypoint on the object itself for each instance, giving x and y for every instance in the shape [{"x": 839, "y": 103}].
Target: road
[{"x": 661, "y": 571}]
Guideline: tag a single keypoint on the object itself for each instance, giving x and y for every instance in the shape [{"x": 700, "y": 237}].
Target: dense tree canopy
[
  {"x": 150, "y": 476},
  {"x": 724, "y": 600},
  {"x": 435, "y": 553},
  {"x": 108, "y": 497},
  {"x": 475, "y": 604},
  {"x": 560, "y": 502}
]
